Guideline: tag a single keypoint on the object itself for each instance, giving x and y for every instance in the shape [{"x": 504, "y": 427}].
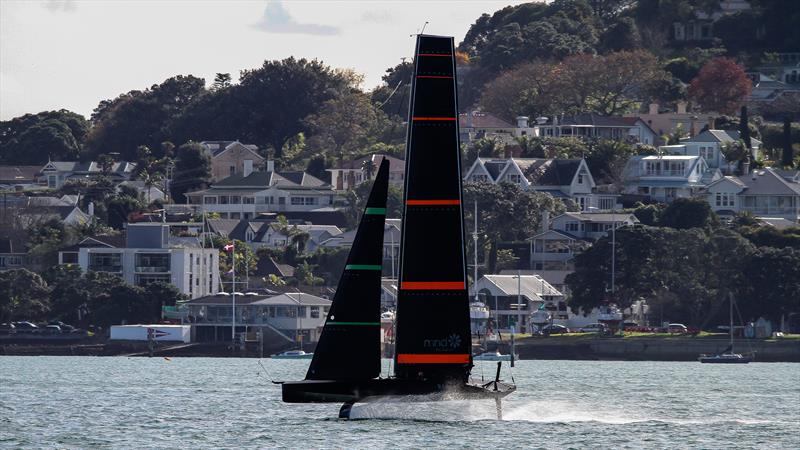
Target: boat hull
[
  {"x": 389, "y": 389},
  {"x": 725, "y": 359}
]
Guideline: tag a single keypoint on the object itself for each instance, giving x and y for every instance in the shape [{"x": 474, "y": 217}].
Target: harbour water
[{"x": 90, "y": 402}]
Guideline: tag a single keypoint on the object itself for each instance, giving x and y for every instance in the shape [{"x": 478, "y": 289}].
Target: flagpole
[{"x": 233, "y": 294}]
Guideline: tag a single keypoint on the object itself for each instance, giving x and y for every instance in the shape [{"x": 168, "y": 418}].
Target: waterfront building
[
  {"x": 474, "y": 125},
  {"x": 512, "y": 298},
  {"x": 665, "y": 178},
  {"x": 765, "y": 193},
  {"x": 148, "y": 254},
  {"x": 349, "y": 174},
  {"x": 290, "y": 316}
]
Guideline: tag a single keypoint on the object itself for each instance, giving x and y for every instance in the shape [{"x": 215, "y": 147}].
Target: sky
[{"x": 73, "y": 54}]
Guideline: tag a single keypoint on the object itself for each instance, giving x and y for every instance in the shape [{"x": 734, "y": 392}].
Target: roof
[
  {"x": 600, "y": 217},
  {"x": 530, "y": 286},
  {"x": 767, "y": 182},
  {"x": 285, "y": 299},
  {"x": 395, "y": 164},
  {"x": 121, "y": 167},
  {"x": 218, "y": 147},
  {"x": 268, "y": 266},
  {"x": 777, "y": 222},
  {"x": 263, "y": 180},
  {"x": 18, "y": 174},
  {"x": 48, "y": 201},
  {"x": 538, "y": 171},
  {"x": 482, "y": 119},
  {"x": 722, "y": 136},
  {"x": 589, "y": 119}
]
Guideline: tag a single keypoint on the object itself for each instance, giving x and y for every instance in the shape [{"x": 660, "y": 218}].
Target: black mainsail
[
  {"x": 433, "y": 338},
  {"x": 349, "y": 348}
]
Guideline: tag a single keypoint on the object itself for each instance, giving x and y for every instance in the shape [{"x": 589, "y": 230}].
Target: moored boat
[{"x": 293, "y": 354}]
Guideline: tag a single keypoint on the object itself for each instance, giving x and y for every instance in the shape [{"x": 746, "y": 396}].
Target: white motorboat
[
  {"x": 491, "y": 356},
  {"x": 293, "y": 354}
]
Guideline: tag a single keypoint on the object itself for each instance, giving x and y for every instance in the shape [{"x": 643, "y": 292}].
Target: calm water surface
[{"x": 84, "y": 402}]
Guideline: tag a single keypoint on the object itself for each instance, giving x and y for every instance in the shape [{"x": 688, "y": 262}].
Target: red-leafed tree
[{"x": 721, "y": 86}]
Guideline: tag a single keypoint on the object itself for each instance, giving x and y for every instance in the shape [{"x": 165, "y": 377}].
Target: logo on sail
[{"x": 448, "y": 343}]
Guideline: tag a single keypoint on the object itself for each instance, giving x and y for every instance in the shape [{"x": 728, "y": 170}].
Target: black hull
[{"x": 332, "y": 391}]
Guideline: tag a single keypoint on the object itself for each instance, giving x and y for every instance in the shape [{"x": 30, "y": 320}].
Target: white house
[
  {"x": 665, "y": 178},
  {"x": 475, "y": 125},
  {"x": 511, "y": 298},
  {"x": 352, "y": 173},
  {"x": 766, "y": 193},
  {"x": 708, "y": 144},
  {"x": 56, "y": 173},
  {"x": 590, "y": 225},
  {"x": 292, "y": 314},
  {"x": 148, "y": 254},
  {"x": 269, "y": 234},
  {"x": 561, "y": 178},
  {"x": 617, "y": 128},
  {"x": 245, "y": 196}
]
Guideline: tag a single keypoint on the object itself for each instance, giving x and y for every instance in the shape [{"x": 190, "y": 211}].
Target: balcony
[
  {"x": 105, "y": 268},
  {"x": 152, "y": 269}
]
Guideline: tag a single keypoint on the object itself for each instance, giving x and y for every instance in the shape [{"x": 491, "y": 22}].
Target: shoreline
[{"x": 579, "y": 348}]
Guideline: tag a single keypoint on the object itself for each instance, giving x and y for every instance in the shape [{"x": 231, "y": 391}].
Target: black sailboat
[{"x": 433, "y": 355}]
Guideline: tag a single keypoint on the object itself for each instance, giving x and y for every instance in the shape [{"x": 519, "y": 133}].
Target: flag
[{"x": 228, "y": 248}]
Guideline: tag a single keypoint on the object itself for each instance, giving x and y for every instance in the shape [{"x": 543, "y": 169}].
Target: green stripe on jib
[
  {"x": 376, "y": 211},
  {"x": 362, "y": 267},
  {"x": 355, "y": 323}
]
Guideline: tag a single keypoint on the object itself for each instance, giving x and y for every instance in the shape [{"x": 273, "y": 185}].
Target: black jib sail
[
  {"x": 349, "y": 348},
  {"x": 433, "y": 329}
]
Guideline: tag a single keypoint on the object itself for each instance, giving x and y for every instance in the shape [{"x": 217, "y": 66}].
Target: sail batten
[
  {"x": 433, "y": 329},
  {"x": 349, "y": 347}
]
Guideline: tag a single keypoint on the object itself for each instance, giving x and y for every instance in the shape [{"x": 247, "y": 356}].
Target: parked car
[
  {"x": 51, "y": 329},
  {"x": 677, "y": 328},
  {"x": 7, "y": 328},
  {"x": 626, "y": 325},
  {"x": 592, "y": 328},
  {"x": 26, "y": 327},
  {"x": 555, "y": 329},
  {"x": 65, "y": 328}
]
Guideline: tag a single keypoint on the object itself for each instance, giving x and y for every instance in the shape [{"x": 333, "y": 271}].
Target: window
[
  {"x": 233, "y": 170},
  {"x": 314, "y": 312},
  {"x": 707, "y": 153},
  {"x": 572, "y": 226},
  {"x": 152, "y": 262},
  {"x": 145, "y": 279},
  {"x": 281, "y": 200},
  {"x": 52, "y": 181},
  {"x": 105, "y": 262},
  {"x": 210, "y": 200},
  {"x": 724, "y": 199},
  {"x": 514, "y": 178},
  {"x": 69, "y": 258},
  {"x": 223, "y": 199},
  {"x": 235, "y": 215},
  {"x": 248, "y": 200},
  {"x": 236, "y": 199},
  {"x": 480, "y": 178},
  {"x": 303, "y": 201}
]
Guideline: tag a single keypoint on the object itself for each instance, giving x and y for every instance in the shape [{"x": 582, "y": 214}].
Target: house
[
  {"x": 391, "y": 245},
  {"x": 615, "y": 128},
  {"x": 665, "y": 178},
  {"x": 511, "y": 298},
  {"x": 56, "y": 173},
  {"x": 148, "y": 193},
  {"x": 14, "y": 255},
  {"x": 232, "y": 157},
  {"x": 244, "y": 196},
  {"x": 590, "y": 225},
  {"x": 666, "y": 123},
  {"x": 561, "y": 178},
  {"x": 350, "y": 174},
  {"x": 270, "y": 234},
  {"x": 709, "y": 144},
  {"x": 294, "y": 316},
  {"x": 68, "y": 214},
  {"x": 476, "y": 125},
  {"x": 765, "y": 193},
  {"x": 148, "y": 254},
  {"x": 700, "y": 26},
  {"x": 18, "y": 177}
]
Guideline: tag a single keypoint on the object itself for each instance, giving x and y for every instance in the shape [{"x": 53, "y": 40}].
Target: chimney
[
  {"x": 270, "y": 165},
  {"x": 681, "y": 107},
  {"x": 522, "y": 121},
  {"x": 653, "y": 111},
  {"x": 90, "y": 209},
  {"x": 248, "y": 167}
]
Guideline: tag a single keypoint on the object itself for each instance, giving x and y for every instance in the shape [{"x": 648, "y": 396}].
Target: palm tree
[{"x": 368, "y": 167}]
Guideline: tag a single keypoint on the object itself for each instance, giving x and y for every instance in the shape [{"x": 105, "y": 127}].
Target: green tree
[
  {"x": 23, "y": 295},
  {"x": 684, "y": 213},
  {"x": 342, "y": 126},
  {"x": 37, "y": 138},
  {"x": 192, "y": 170},
  {"x": 787, "y": 155},
  {"x": 744, "y": 128},
  {"x": 773, "y": 288}
]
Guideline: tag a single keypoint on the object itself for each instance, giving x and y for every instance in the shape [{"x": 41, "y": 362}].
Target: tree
[
  {"x": 316, "y": 167},
  {"x": 221, "y": 81},
  {"x": 342, "y": 126},
  {"x": 773, "y": 289},
  {"x": 744, "y": 128},
  {"x": 23, "y": 295},
  {"x": 142, "y": 117},
  {"x": 684, "y": 213},
  {"x": 395, "y": 93},
  {"x": 787, "y": 155},
  {"x": 735, "y": 151},
  {"x": 721, "y": 86},
  {"x": 192, "y": 170},
  {"x": 37, "y": 138}
]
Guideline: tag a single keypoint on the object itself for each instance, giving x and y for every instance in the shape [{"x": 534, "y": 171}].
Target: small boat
[
  {"x": 293, "y": 354},
  {"x": 727, "y": 356},
  {"x": 491, "y": 356}
]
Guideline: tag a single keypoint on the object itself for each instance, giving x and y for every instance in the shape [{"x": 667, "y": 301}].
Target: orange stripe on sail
[
  {"x": 432, "y": 285},
  {"x": 405, "y": 358},
  {"x": 433, "y": 118},
  {"x": 432, "y": 202}
]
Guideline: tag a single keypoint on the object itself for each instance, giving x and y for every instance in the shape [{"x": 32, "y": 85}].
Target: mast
[
  {"x": 730, "y": 330},
  {"x": 433, "y": 338}
]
